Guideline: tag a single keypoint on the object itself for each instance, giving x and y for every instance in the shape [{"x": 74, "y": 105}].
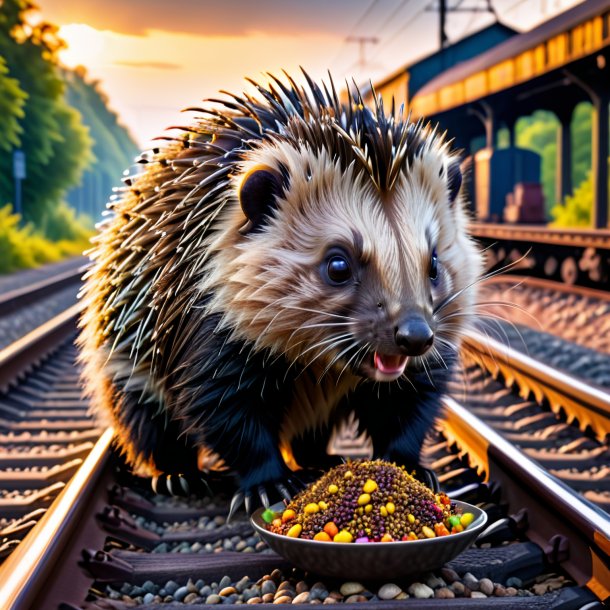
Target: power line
[
  {"x": 362, "y": 42},
  {"x": 352, "y": 30},
  {"x": 400, "y": 30}
]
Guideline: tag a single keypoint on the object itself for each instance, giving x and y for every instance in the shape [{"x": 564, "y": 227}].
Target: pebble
[
  {"x": 330, "y": 600},
  {"x": 514, "y": 581},
  {"x": 351, "y": 588},
  {"x": 434, "y": 582},
  {"x": 213, "y": 599},
  {"x": 255, "y": 600},
  {"x": 444, "y": 593},
  {"x": 486, "y": 586},
  {"x": 449, "y": 575},
  {"x": 268, "y": 598},
  {"x": 227, "y": 591},
  {"x": 389, "y": 591},
  {"x": 402, "y": 595},
  {"x": 499, "y": 591},
  {"x": 268, "y": 587},
  {"x": 225, "y": 581},
  {"x": 242, "y": 584},
  {"x": 420, "y": 590},
  {"x": 471, "y": 581},
  {"x": 148, "y": 598},
  {"x": 301, "y": 586},
  {"x": 180, "y": 594},
  {"x": 318, "y": 591},
  {"x": 171, "y": 587},
  {"x": 458, "y": 588},
  {"x": 301, "y": 598},
  {"x": 283, "y": 599},
  {"x": 191, "y": 597},
  {"x": 276, "y": 575},
  {"x": 149, "y": 586},
  {"x": 477, "y": 594},
  {"x": 511, "y": 591},
  {"x": 354, "y": 599}
]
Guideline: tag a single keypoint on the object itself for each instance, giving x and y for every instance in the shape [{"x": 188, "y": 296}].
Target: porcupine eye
[
  {"x": 337, "y": 269},
  {"x": 433, "y": 271}
]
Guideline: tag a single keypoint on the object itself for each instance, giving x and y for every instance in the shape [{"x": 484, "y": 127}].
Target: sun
[{"x": 85, "y": 45}]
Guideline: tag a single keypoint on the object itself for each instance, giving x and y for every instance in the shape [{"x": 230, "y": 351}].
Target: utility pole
[
  {"x": 442, "y": 15},
  {"x": 443, "y": 10},
  {"x": 362, "y": 42}
]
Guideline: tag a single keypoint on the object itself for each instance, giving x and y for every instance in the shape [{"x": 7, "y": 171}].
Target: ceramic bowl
[{"x": 374, "y": 560}]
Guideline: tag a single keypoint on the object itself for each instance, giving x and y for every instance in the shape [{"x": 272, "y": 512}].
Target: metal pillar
[
  {"x": 599, "y": 161},
  {"x": 563, "y": 177}
]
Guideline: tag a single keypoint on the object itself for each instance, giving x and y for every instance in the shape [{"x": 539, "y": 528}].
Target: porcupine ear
[
  {"x": 454, "y": 180},
  {"x": 258, "y": 194}
]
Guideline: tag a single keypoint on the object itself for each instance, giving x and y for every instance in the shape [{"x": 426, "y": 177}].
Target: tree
[
  {"x": 56, "y": 144},
  {"x": 12, "y": 100},
  {"x": 114, "y": 149}
]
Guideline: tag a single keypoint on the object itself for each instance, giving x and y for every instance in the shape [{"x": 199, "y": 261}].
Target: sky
[{"x": 156, "y": 57}]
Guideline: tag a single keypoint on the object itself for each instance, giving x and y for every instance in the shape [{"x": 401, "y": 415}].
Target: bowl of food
[{"x": 369, "y": 520}]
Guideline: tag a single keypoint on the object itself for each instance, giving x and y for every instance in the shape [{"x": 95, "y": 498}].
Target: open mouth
[{"x": 389, "y": 366}]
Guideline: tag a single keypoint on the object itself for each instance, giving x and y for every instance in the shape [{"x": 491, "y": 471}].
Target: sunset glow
[
  {"x": 85, "y": 45},
  {"x": 153, "y": 58}
]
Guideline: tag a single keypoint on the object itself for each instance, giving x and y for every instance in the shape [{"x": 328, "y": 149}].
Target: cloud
[
  {"x": 207, "y": 17},
  {"x": 153, "y": 65}
]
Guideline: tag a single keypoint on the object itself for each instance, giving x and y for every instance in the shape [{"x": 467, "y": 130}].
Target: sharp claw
[
  {"x": 236, "y": 502},
  {"x": 168, "y": 484},
  {"x": 185, "y": 485},
  {"x": 262, "y": 494},
  {"x": 283, "y": 491},
  {"x": 248, "y": 503},
  {"x": 154, "y": 482},
  {"x": 207, "y": 488},
  {"x": 296, "y": 486}
]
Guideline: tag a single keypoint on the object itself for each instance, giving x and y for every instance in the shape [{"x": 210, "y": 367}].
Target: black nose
[{"x": 414, "y": 336}]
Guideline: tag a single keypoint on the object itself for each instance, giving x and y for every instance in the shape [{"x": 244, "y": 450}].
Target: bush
[
  {"x": 576, "y": 209},
  {"x": 22, "y": 247},
  {"x": 61, "y": 223}
]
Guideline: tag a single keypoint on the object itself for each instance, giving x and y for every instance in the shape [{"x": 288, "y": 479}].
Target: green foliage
[
  {"x": 114, "y": 149},
  {"x": 539, "y": 133},
  {"x": 581, "y": 142},
  {"x": 12, "y": 100},
  {"x": 56, "y": 144},
  {"x": 22, "y": 246},
  {"x": 61, "y": 223},
  {"x": 576, "y": 211}
]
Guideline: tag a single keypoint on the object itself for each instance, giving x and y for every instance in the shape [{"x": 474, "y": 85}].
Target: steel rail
[
  {"x": 581, "y": 401},
  {"x": 20, "y": 356},
  {"x": 10, "y": 301},
  {"x": 535, "y": 282},
  {"x": 584, "y": 238},
  {"x": 27, "y": 567},
  {"x": 558, "y": 517}
]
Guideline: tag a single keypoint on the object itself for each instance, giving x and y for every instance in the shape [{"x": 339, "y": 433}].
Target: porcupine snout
[{"x": 414, "y": 336}]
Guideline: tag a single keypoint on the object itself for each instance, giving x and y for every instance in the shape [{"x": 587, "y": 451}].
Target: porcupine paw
[
  {"x": 180, "y": 485},
  {"x": 254, "y": 495}
]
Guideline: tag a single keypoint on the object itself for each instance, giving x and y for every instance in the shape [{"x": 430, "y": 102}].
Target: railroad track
[
  {"x": 26, "y": 305},
  {"x": 536, "y": 467},
  {"x": 45, "y": 431},
  {"x": 575, "y": 313}
]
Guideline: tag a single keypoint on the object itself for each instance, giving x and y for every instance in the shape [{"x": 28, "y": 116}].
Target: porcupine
[{"x": 287, "y": 259}]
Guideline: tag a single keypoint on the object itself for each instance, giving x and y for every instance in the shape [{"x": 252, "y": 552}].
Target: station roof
[{"x": 511, "y": 49}]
